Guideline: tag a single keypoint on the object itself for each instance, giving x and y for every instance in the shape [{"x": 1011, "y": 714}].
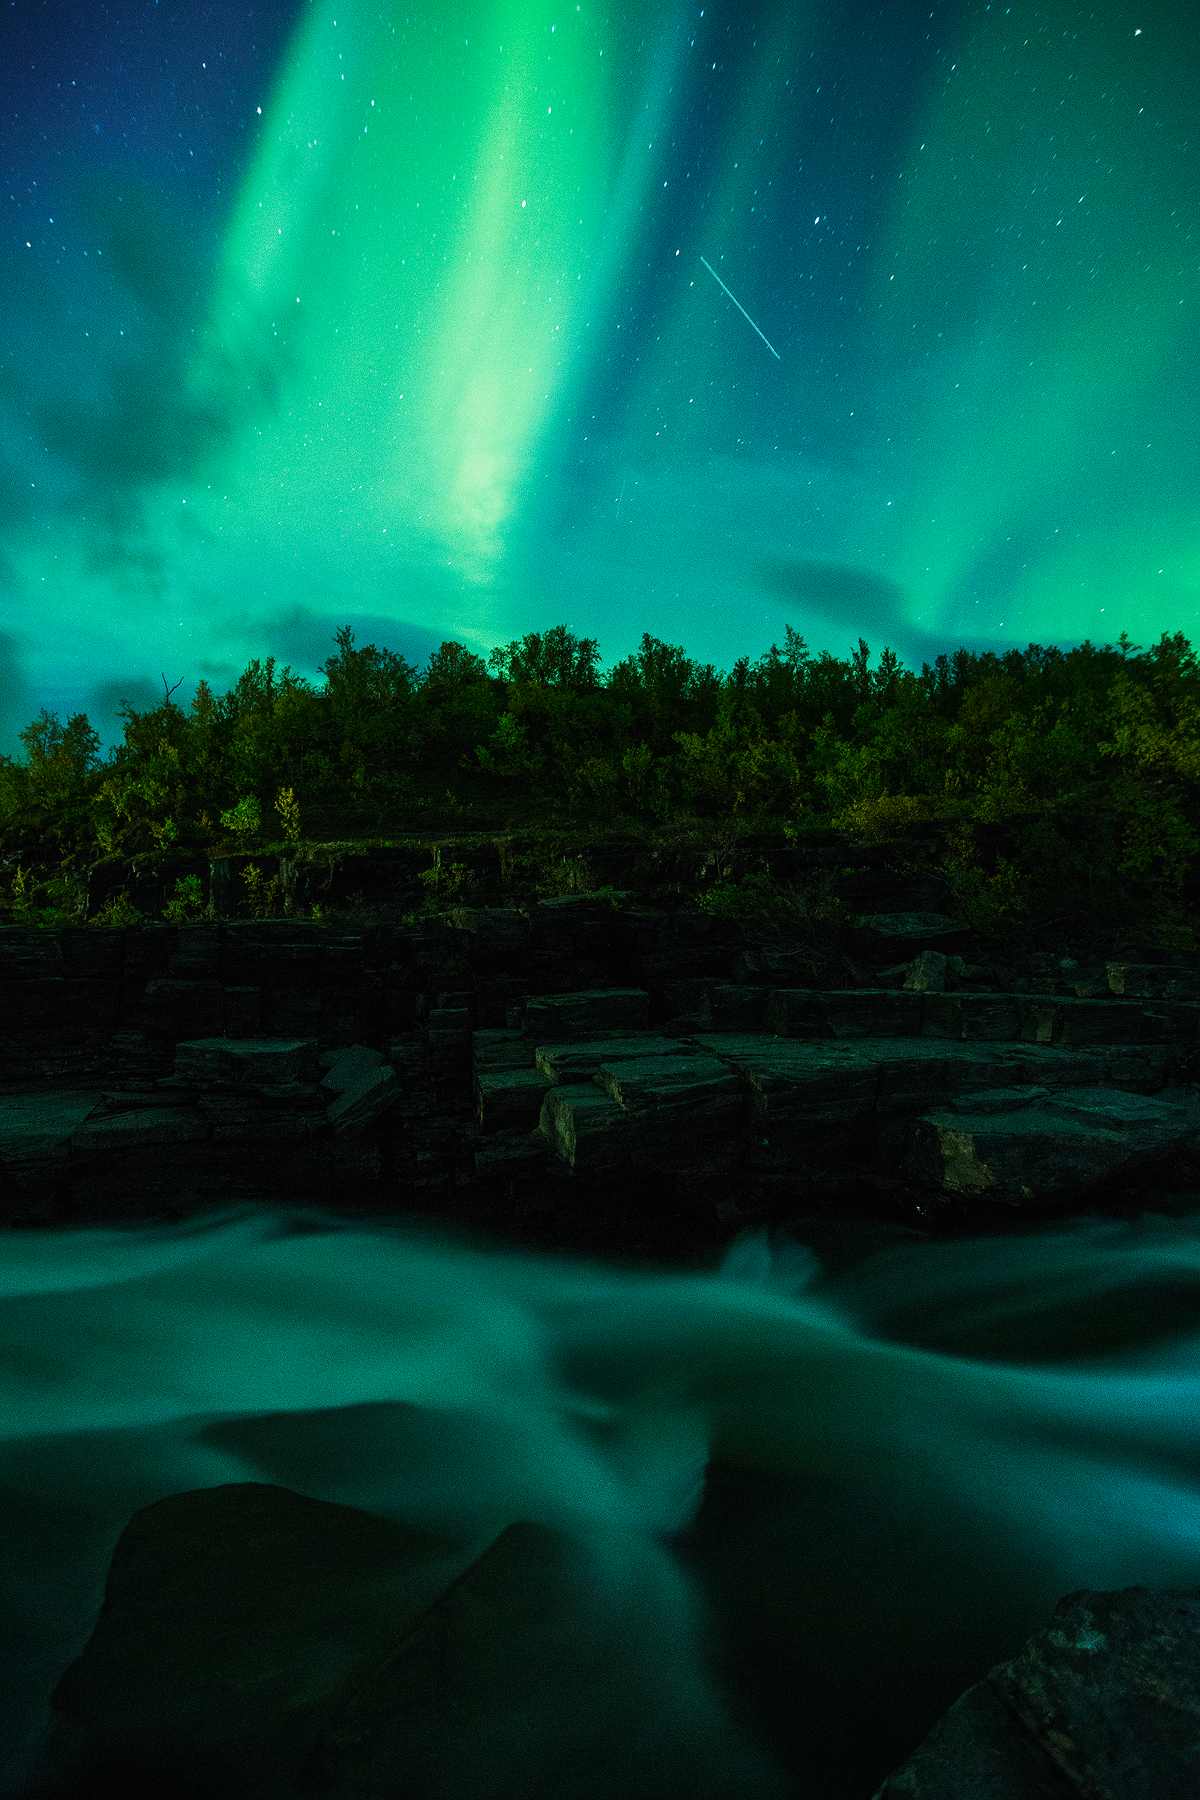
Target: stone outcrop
[
  {"x": 155, "y": 1071},
  {"x": 1105, "y": 1702}
]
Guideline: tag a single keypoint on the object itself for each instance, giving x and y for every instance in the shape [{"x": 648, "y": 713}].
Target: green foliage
[
  {"x": 988, "y": 901},
  {"x": 262, "y": 893},
  {"x": 187, "y": 905},
  {"x": 555, "y": 658},
  {"x": 245, "y": 818},
  {"x": 446, "y": 884},
  {"x": 288, "y": 808},
  {"x": 118, "y": 910},
  {"x": 1060, "y": 781}
]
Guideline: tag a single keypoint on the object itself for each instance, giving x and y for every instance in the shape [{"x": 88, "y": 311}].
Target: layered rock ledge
[{"x": 504, "y": 1065}]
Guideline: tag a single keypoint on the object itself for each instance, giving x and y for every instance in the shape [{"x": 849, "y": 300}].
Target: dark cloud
[
  {"x": 843, "y": 601},
  {"x": 17, "y": 704},
  {"x": 836, "y": 590},
  {"x": 307, "y": 642},
  {"x": 103, "y": 703},
  {"x": 114, "y": 369}
]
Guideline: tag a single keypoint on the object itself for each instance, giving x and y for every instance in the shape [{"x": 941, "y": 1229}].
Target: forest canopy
[{"x": 1086, "y": 760}]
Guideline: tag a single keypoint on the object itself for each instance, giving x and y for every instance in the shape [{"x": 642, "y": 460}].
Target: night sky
[{"x": 335, "y": 313}]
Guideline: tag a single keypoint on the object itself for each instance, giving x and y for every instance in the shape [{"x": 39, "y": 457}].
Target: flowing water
[{"x": 913, "y": 1448}]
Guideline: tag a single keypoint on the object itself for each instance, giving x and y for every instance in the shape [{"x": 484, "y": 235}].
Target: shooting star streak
[{"x": 766, "y": 340}]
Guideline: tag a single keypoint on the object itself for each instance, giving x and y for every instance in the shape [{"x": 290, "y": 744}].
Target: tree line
[{"x": 1084, "y": 763}]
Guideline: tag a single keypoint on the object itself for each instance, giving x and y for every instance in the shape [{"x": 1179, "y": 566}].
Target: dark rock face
[
  {"x": 1102, "y": 1705},
  {"x": 164, "y": 1070},
  {"x": 254, "y": 1643}
]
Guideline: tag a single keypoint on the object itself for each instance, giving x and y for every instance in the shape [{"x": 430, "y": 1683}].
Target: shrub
[
  {"x": 262, "y": 895},
  {"x": 188, "y": 902},
  {"x": 118, "y": 910}
]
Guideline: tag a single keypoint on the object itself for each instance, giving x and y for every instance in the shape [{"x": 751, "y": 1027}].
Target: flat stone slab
[
  {"x": 247, "y": 1061},
  {"x": 497, "y": 1049},
  {"x": 1046, "y": 1020},
  {"x": 914, "y": 1071},
  {"x": 27, "y": 954},
  {"x": 552, "y": 1016},
  {"x": 980, "y": 1018},
  {"x": 144, "y": 1125},
  {"x": 895, "y": 931},
  {"x": 1027, "y": 1148},
  {"x": 507, "y": 1153},
  {"x": 579, "y": 1062},
  {"x": 1153, "y": 981},
  {"x": 684, "y": 1083}
]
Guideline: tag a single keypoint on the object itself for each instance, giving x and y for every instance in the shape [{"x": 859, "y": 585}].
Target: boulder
[
  {"x": 35, "y": 1137},
  {"x": 588, "y": 1128},
  {"x": 1104, "y": 1702},
  {"x": 927, "y": 972},
  {"x": 508, "y": 1098},
  {"x": 1023, "y": 1146},
  {"x": 366, "y": 1100},
  {"x": 345, "y": 1068}
]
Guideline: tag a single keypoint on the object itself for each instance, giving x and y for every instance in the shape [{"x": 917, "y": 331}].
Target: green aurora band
[{"x": 458, "y": 366}]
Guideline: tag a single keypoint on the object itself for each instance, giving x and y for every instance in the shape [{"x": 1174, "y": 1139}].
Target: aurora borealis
[{"x": 332, "y": 313}]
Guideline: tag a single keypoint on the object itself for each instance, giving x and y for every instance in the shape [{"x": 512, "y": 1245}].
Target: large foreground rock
[
  {"x": 1102, "y": 1705},
  {"x": 233, "y": 1620},
  {"x": 254, "y": 1644}
]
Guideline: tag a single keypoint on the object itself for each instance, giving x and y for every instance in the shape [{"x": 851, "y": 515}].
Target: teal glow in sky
[{"x": 330, "y": 313}]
